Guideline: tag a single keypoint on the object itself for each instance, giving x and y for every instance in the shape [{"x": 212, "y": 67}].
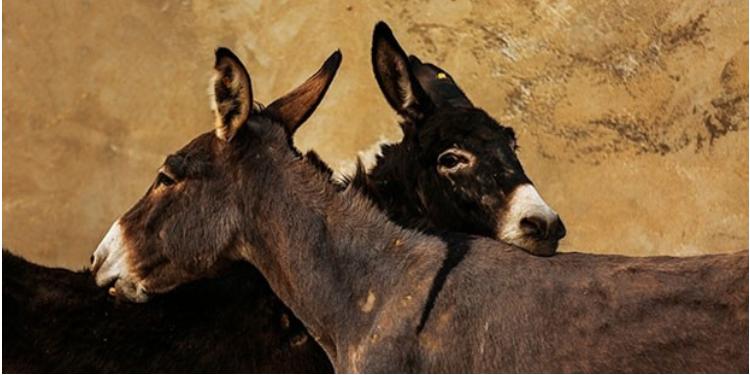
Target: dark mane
[
  {"x": 314, "y": 159},
  {"x": 390, "y": 187}
]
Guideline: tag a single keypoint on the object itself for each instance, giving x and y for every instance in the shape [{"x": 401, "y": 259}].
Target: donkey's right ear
[
  {"x": 438, "y": 84},
  {"x": 395, "y": 78},
  {"x": 294, "y": 108},
  {"x": 232, "y": 94}
]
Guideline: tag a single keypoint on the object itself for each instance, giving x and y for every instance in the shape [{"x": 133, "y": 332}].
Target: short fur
[
  {"x": 56, "y": 320},
  {"x": 365, "y": 288},
  {"x": 407, "y": 182},
  {"x": 177, "y": 167},
  {"x": 233, "y": 323}
]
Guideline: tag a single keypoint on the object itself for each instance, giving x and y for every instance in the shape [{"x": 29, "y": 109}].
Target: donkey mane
[
  {"x": 386, "y": 185},
  {"x": 314, "y": 159}
]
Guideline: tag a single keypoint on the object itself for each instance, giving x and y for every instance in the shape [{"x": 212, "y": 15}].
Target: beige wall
[{"x": 631, "y": 115}]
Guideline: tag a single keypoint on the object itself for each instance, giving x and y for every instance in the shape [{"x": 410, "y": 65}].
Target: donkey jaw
[
  {"x": 526, "y": 202},
  {"x": 538, "y": 248},
  {"x": 111, "y": 263}
]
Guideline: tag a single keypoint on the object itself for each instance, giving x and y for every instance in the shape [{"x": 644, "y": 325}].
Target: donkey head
[
  {"x": 190, "y": 221},
  {"x": 467, "y": 176}
]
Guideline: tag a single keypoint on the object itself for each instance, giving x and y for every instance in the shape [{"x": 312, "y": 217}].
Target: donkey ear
[
  {"x": 394, "y": 76},
  {"x": 438, "y": 84},
  {"x": 295, "y": 107},
  {"x": 232, "y": 94}
]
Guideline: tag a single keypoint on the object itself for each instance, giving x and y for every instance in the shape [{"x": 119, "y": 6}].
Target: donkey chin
[
  {"x": 535, "y": 247},
  {"x": 110, "y": 263},
  {"x": 529, "y": 223}
]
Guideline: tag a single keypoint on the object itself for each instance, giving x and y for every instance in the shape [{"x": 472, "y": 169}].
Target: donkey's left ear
[
  {"x": 438, "y": 84},
  {"x": 295, "y": 107},
  {"x": 232, "y": 94},
  {"x": 400, "y": 87}
]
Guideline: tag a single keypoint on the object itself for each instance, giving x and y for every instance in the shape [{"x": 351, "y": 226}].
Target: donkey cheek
[{"x": 489, "y": 201}]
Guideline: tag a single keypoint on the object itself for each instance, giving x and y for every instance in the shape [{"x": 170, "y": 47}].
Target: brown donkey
[
  {"x": 456, "y": 169},
  {"x": 422, "y": 165},
  {"x": 58, "y": 321},
  {"x": 363, "y": 286}
]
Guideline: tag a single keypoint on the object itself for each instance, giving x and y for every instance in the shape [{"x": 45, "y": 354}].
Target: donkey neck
[
  {"x": 332, "y": 257},
  {"x": 391, "y": 185}
]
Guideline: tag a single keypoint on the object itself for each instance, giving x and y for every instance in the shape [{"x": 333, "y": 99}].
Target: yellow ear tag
[{"x": 441, "y": 75}]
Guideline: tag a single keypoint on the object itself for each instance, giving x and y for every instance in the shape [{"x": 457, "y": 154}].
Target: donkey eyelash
[{"x": 164, "y": 179}]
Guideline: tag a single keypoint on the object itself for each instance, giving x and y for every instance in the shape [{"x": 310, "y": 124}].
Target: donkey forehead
[
  {"x": 265, "y": 129},
  {"x": 200, "y": 145},
  {"x": 206, "y": 148},
  {"x": 194, "y": 156},
  {"x": 469, "y": 128}
]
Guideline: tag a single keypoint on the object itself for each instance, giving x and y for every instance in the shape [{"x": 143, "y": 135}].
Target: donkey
[
  {"x": 442, "y": 91},
  {"x": 456, "y": 169},
  {"x": 363, "y": 286},
  {"x": 56, "y": 320}
]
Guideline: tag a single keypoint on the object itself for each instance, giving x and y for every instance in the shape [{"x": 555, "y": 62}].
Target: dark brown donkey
[
  {"x": 456, "y": 122},
  {"x": 456, "y": 169},
  {"x": 56, "y": 320},
  {"x": 363, "y": 286}
]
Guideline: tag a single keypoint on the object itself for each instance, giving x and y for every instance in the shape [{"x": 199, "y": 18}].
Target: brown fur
[
  {"x": 499, "y": 309},
  {"x": 456, "y": 168},
  {"x": 57, "y": 320}
]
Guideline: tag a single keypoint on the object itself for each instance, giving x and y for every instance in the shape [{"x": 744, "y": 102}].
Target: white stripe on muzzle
[
  {"x": 524, "y": 202},
  {"x": 110, "y": 257}
]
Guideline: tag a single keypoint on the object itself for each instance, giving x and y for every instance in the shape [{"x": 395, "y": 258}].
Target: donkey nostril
[
  {"x": 534, "y": 226},
  {"x": 557, "y": 229}
]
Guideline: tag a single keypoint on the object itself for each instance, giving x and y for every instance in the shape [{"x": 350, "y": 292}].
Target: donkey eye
[
  {"x": 448, "y": 160},
  {"x": 164, "y": 179},
  {"x": 454, "y": 160}
]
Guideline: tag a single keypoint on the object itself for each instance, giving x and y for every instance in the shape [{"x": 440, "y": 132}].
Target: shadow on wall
[{"x": 632, "y": 119}]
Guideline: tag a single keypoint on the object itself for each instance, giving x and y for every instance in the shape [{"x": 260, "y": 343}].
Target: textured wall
[{"x": 631, "y": 115}]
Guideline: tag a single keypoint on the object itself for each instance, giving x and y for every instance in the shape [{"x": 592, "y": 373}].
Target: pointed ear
[
  {"x": 438, "y": 84},
  {"x": 232, "y": 94},
  {"x": 395, "y": 78},
  {"x": 295, "y": 107}
]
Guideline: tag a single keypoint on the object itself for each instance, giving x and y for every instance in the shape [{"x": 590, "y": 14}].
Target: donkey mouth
[
  {"x": 110, "y": 267},
  {"x": 545, "y": 248}
]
